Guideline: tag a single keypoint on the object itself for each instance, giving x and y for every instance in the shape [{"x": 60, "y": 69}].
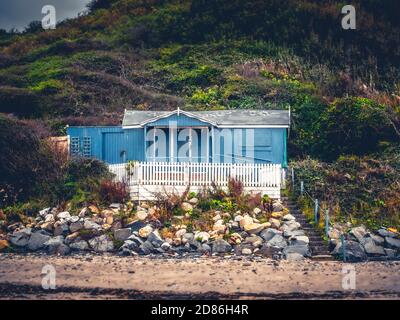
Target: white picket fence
[{"x": 265, "y": 178}]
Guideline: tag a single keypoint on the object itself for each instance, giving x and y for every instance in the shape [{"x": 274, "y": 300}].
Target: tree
[
  {"x": 33, "y": 26},
  {"x": 94, "y": 5}
]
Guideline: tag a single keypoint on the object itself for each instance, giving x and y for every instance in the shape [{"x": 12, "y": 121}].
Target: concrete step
[{"x": 322, "y": 257}]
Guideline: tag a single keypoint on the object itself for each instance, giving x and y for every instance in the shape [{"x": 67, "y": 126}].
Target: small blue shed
[{"x": 223, "y": 136}]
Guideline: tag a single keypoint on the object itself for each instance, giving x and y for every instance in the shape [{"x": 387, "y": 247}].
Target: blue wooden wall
[{"x": 117, "y": 145}]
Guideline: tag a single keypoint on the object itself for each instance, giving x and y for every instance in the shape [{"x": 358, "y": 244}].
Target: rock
[
  {"x": 269, "y": 233},
  {"x": 61, "y": 228},
  {"x": 136, "y": 225},
  {"x": 186, "y": 206},
  {"x": 270, "y": 252},
  {"x": 74, "y": 219},
  {"x": 290, "y": 226},
  {"x": 101, "y": 243},
  {"x": 109, "y": 220},
  {"x": 141, "y": 215},
  {"x": 180, "y": 233},
  {"x": 155, "y": 239},
  {"x": 277, "y": 206},
  {"x": 117, "y": 206},
  {"x": 43, "y": 213},
  {"x": 303, "y": 250},
  {"x": 48, "y": 226},
  {"x": 21, "y": 238},
  {"x": 235, "y": 238},
  {"x": 294, "y": 256},
  {"x": 277, "y": 215},
  {"x": 165, "y": 246},
  {"x": 238, "y": 218},
  {"x": 216, "y": 217},
  {"x": 245, "y": 221},
  {"x": 144, "y": 205},
  {"x": 4, "y": 244},
  {"x": 386, "y": 233},
  {"x": 49, "y": 218},
  {"x": 64, "y": 215},
  {"x": 295, "y": 233},
  {"x": 246, "y": 251},
  {"x": 90, "y": 225},
  {"x": 53, "y": 244},
  {"x": 71, "y": 237},
  {"x": 300, "y": 240},
  {"x": 37, "y": 241},
  {"x": 202, "y": 236},
  {"x": 205, "y": 248},
  {"x": 275, "y": 223},
  {"x": 135, "y": 239},
  {"x": 193, "y": 201},
  {"x": 253, "y": 228},
  {"x": 377, "y": 239},
  {"x": 94, "y": 209},
  {"x": 257, "y": 211},
  {"x": 392, "y": 243},
  {"x": 354, "y": 251},
  {"x": 371, "y": 248},
  {"x": 288, "y": 217},
  {"x": 83, "y": 212},
  {"x": 81, "y": 245},
  {"x": 221, "y": 246},
  {"x": 390, "y": 253},
  {"x": 277, "y": 241},
  {"x": 76, "y": 226},
  {"x": 146, "y": 247},
  {"x": 122, "y": 234},
  {"x": 145, "y": 231},
  {"x": 219, "y": 226},
  {"x": 358, "y": 233}
]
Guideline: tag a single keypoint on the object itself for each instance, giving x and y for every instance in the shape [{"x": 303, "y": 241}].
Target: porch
[{"x": 147, "y": 178}]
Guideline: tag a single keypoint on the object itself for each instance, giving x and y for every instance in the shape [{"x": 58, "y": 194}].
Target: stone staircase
[{"x": 318, "y": 247}]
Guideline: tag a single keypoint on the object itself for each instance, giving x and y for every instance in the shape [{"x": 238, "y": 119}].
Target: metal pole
[
  {"x": 326, "y": 222},
  {"x": 301, "y": 187},
  {"x": 316, "y": 212},
  {"x": 343, "y": 247},
  {"x": 293, "y": 178}
]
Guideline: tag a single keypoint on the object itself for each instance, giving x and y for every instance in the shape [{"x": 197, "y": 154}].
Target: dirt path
[{"x": 215, "y": 278}]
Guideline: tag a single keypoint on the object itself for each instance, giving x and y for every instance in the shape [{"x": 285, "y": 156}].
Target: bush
[
  {"x": 113, "y": 191},
  {"x": 80, "y": 169}
]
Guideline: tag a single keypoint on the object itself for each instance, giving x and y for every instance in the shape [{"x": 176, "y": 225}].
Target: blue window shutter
[
  {"x": 87, "y": 147},
  {"x": 74, "y": 148}
]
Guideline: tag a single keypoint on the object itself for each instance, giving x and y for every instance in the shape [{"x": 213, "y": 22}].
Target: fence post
[
  {"x": 316, "y": 212},
  {"x": 343, "y": 246},
  {"x": 326, "y": 222},
  {"x": 301, "y": 188}
]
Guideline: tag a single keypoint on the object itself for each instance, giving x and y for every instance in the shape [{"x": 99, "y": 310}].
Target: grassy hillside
[{"x": 343, "y": 86}]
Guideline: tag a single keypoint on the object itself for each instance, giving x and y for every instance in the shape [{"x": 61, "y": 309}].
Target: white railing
[{"x": 197, "y": 174}]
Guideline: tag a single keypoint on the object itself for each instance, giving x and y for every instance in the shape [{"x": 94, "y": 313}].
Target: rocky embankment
[
  {"x": 107, "y": 230},
  {"x": 362, "y": 244}
]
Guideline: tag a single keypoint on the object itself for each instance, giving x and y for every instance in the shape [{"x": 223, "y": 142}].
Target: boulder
[
  {"x": 193, "y": 201},
  {"x": 257, "y": 211},
  {"x": 219, "y": 226},
  {"x": 130, "y": 245},
  {"x": 3, "y": 244},
  {"x": 37, "y": 241},
  {"x": 52, "y": 245},
  {"x": 90, "y": 225},
  {"x": 155, "y": 239},
  {"x": 288, "y": 217},
  {"x": 303, "y": 250},
  {"x": 61, "y": 228},
  {"x": 136, "y": 225},
  {"x": 64, "y": 215},
  {"x": 358, "y": 233},
  {"x": 254, "y": 240},
  {"x": 300, "y": 240},
  {"x": 48, "y": 226},
  {"x": 371, "y": 248},
  {"x": 392, "y": 243},
  {"x": 80, "y": 245},
  {"x": 354, "y": 251},
  {"x": 122, "y": 234},
  {"x": 277, "y": 215},
  {"x": 76, "y": 226},
  {"x": 116, "y": 206},
  {"x": 146, "y": 247},
  {"x": 377, "y": 239},
  {"x": 277, "y": 206},
  {"x": 245, "y": 221},
  {"x": 141, "y": 215},
  {"x": 275, "y": 223},
  {"x": 270, "y": 252},
  {"x": 49, "y": 218},
  {"x": 71, "y": 237},
  {"x": 277, "y": 241},
  {"x": 269, "y": 233},
  {"x": 43, "y": 213},
  {"x": 246, "y": 251},
  {"x": 20, "y": 238},
  {"x": 295, "y": 233},
  {"x": 165, "y": 246},
  {"x": 386, "y": 233},
  {"x": 186, "y": 206},
  {"x": 145, "y": 231},
  {"x": 221, "y": 246},
  {"x": 101, "y": 243},
  {"x": 180, "y": 233},
  {"x": 202, "y": 236},
  {"x": 253, "y": 228}
]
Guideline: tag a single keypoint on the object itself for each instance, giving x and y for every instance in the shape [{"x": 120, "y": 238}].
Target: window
[
  {"x": 87, "y": 147},
  {"x": 74, "y": 148}
]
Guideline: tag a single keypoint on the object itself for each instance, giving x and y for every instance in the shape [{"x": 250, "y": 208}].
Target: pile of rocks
[
  {"x": 103, "y": 230},
  {"x": 362, "y": 244}
]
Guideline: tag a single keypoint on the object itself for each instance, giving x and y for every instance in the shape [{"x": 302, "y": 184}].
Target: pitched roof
[{"x": 219, "y": 118}]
